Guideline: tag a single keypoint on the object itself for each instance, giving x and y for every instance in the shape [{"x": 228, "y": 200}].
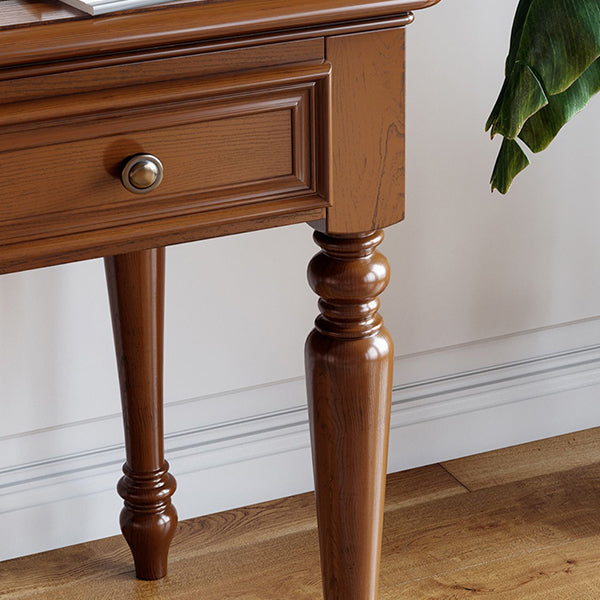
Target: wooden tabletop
[
  {"x": 43, "y": 30},
  {"x": 15, "y": 13}
]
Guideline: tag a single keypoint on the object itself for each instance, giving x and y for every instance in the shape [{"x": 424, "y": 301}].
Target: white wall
[{"x": 493, "y": 305}]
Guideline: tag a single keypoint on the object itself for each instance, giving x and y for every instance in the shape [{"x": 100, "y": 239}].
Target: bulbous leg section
[
  {"x": 349, "y": 358},
  {"x": 148, "y": 519}
]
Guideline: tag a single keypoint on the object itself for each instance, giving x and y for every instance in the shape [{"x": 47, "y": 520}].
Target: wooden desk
[{"x": 260, "y": 113}]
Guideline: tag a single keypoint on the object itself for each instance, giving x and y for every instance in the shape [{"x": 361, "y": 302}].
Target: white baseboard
[{"x": 447, "y": 403}]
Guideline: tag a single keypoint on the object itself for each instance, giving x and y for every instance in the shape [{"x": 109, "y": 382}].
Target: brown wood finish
[
  {"x": 175, "y": 23},
  {"x": 349, "y": 358},
  {"x": 256, "y": 140},
  {"x": 169, "y": 65},
  {"x": 174, "y": 230},
  {"x": 526, "y": 461},
  {"x": 532, "y": 537},
  {"x": 231, "y": 152},
  {"x": 26, "y": 115},
  {"x": 89, "y": 67},
  {"x": 214, "y": 557},
  {"x": 264, "y": 113},
  {"x": 40, "y": 227},
  {"x": 367, "y": 122},
  {"x": 148, "y": 520}
]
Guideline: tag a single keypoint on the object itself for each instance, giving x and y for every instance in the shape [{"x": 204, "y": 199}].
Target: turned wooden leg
[
  {"x": 349, "y": 357},
  {"x": 148, "y": 519}
]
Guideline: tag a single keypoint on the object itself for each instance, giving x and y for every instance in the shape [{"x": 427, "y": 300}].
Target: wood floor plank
[
  {"x": 420, "y": 486},
  {"x": 567, "y": 572},
  {"x": 259, "y": 552},
  {"x": 533, "y": 537},
  {"x": 490, "y": 525},
  {"x": 527, "y": 460}
]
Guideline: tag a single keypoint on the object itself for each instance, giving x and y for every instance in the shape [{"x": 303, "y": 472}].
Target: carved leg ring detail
[{"x": 148, "y": 519}]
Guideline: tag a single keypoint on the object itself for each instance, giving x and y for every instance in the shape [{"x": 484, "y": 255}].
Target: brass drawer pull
[{"x": 142, "y": 173}]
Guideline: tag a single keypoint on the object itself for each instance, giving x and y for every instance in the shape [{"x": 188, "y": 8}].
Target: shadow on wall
[
  {"x": 57, "y": 361},
  {"x": 30, "y": 318}
]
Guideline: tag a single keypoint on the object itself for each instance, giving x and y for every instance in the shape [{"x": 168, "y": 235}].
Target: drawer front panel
[
  {"x": 197, "y": 158},
  {"x": 257, "y": 140}
]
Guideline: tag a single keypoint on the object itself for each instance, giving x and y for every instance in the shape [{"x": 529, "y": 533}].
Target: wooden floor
[{"x": 515, "y": 524}]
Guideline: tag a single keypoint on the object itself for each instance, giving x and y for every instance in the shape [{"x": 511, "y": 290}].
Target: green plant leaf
[
  {"x": 510, "y": 162},
  {"x": 540, "y": 129},
  {"x": 551, "y": 73},
  {"x": 560, "y": 40},
  {"x": 515, "y": 39},
  {"x": 522, "y": 97},
  {"x": 515, "y": 34}
]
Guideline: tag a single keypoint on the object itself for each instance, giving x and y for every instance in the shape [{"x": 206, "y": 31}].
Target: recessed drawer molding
[{"x": 240, "y": 140}]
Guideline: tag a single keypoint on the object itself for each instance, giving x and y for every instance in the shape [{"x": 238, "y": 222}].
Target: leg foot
[{"x": 148, "y": 519}]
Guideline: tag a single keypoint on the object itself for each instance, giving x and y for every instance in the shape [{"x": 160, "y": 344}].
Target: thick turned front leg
[
  {"x": 349, "y": 358},
  {"x": 148, "y": 519}
]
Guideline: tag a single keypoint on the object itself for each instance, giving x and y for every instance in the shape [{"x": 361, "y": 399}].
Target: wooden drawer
[{"x": 255, "y": 139}]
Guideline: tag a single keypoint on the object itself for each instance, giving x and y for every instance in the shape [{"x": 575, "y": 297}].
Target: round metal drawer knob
[{"x": 142, "y": 173}]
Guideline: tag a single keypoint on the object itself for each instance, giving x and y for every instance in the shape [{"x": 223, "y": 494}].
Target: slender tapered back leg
[{"x": 148, "y": 519}]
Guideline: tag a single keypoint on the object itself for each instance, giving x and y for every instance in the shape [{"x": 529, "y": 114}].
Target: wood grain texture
[
  {"x": 208, "y": 46},
  {"x": 231, "y": 541},
  {"x": 199, "y": 158},
  {"x": 252, "y": 139},
  {"x": 349, "y": 359},
  {"x": 244, "y": 131},
  {"x": 175, "y": 230},
  {"x": 485, "y": 526},
  {"x": 527, "y": 460},
  {"x": 76, "y": 77},
  {"x": 532, "y": 539},
  {"x": 108, "y": 103},
  {"x": 367, "y": 131},
  {"x": 136, "y": 283},
  {"x": 565, "y": 572},
  {"x": 177, "y": 23}
]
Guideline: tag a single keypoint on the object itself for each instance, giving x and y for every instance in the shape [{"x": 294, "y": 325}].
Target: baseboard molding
[
  {"x": 495, "y": 386},
  {"x": 266, "y": 454}
]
